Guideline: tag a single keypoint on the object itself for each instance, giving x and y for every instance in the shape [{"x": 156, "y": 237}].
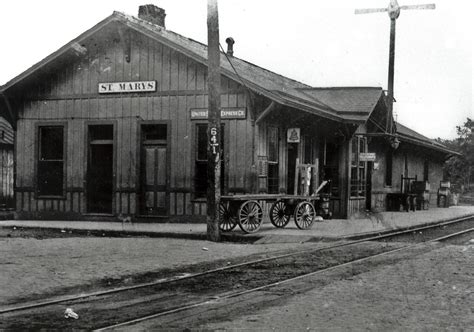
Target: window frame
[{"x": 38, "y": 126}]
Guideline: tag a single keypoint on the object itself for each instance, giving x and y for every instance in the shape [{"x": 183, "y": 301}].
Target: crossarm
[
  {"x": 370, "y": 10},
  {"x": 427, "y": 6}
]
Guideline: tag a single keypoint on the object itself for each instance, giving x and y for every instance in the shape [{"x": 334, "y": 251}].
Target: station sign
[
  {"x": 127, "y": 87},
  {"x": 226, "y": 113},
  {"x": 367, "y": 156}
]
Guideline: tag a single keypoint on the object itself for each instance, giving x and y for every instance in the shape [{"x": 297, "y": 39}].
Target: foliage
[{"x": 460, "y": 169}]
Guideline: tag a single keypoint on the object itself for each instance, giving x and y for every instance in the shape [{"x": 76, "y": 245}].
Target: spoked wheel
[
  {"x": 250, "y": 216},
  {"x": 278, "y": 214},
  {"x": 227, "y": 221},
  {"x": 304, "y": 215}
]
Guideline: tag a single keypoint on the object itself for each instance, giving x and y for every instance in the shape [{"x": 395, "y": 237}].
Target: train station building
[{"x": 114, "y": 123}]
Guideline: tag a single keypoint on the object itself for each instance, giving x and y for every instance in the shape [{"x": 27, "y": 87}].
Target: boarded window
[
  {"x": 200, "y": 168},
  {"x": 50, "y": 172}
]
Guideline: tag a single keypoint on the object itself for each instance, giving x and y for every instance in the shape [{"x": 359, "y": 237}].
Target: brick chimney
[{"x": 152, "y": 14}]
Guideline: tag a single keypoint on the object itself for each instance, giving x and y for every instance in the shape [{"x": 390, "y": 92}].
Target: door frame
[
  {"x": 139, "y": 158},
  {"x": 113, "y": 123},
  {"x": 368, "y": 185},
  {"x": 297, "y": 147}
]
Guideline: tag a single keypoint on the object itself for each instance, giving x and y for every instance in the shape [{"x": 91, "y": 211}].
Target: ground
[
  {"x": 36, "y": 264},
  {"x": 431, "y": 292}
]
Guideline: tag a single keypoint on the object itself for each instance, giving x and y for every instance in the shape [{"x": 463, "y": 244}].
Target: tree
[{"x": 460, "y": 169}]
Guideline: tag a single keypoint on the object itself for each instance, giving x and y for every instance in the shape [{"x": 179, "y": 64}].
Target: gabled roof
[
  {"x": 333, "y": 103},
  {"x": 355, "y": 103}
]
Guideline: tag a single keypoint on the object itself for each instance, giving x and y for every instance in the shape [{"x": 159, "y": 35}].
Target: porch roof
[{"x": 411, "y": 136}]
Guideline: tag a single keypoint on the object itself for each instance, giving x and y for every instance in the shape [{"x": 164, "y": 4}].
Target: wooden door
[
  {"x": 154, "y": 171},
  {"x": 100, "y": 169},
  {"x": 368, "y": 187},
  {"x": 291, "y": 167}
]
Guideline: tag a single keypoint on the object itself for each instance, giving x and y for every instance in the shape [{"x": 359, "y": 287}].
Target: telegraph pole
[
  {"x": 393, "y": 11},
  {"x": 214, "y": 123}
]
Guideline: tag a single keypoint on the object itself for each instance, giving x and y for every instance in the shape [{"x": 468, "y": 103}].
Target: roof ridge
[{"x": 161, "y": 29}]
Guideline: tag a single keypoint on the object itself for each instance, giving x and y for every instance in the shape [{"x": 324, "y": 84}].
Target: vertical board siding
[{"x": 70, "y": 96}]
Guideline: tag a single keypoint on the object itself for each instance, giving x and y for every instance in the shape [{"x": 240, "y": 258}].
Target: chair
[
  {"x": 407, "y": 198},
  {"x": 422, "y": 191},
  {"x": 444, "y": 192}
]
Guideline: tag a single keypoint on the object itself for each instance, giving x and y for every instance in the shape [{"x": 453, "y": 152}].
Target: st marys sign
[{"x": 127, "y": 87}]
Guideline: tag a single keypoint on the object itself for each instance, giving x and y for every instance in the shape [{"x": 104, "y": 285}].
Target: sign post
[{"x": 214, "y": 126}]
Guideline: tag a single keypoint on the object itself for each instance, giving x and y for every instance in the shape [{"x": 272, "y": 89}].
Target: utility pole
[
  {"x": 214, "y": 122},
  {"x": 393, "y": 10}
]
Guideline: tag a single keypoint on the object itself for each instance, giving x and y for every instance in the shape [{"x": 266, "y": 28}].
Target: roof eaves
[
  {"x": 343, "y": 88},
  {"x": 429, "y": 144}
]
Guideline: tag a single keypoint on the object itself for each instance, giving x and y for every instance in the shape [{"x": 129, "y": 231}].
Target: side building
[
  {"x": 7, "y": 199},
  {"x": 114, "y": 123}
]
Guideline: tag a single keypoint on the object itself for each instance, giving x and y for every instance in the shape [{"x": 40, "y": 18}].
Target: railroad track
[{"x": 120, "y": 307}]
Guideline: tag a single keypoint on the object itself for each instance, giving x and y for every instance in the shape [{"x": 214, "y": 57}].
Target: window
[
  {"x": 358, "y": 168},
  {"x": 200, "y": 169},
  {"x": 154, "y": 133},
  {"x": 388, "y": 167},
  {"x": 50, "y": 172},
  {"x": 273, "y": 154}
]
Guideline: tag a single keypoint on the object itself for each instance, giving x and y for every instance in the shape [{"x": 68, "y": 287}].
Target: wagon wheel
[
  {"x": 227, "y": 221},
  {"x": 278, "y": 214},
  {"x": 250, "y": 216},
  {"x": 304, "y": 215}
]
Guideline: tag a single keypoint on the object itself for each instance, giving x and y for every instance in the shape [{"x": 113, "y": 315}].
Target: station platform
[{"x": 334, "y": 229}]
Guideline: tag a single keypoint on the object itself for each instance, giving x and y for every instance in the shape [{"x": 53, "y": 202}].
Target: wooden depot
[{"x": 139, "y": 148}]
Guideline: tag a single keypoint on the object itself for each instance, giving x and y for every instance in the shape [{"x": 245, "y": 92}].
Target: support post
[
  {"x": 391, "y": 66},
  {"x": 214, "y": 126}
]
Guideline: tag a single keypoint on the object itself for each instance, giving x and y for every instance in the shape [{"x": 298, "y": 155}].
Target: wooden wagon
[{"x": 247, "y": 212}]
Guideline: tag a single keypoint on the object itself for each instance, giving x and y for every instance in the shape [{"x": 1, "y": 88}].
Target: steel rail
[
  {"x": 224, "y": 268},
  {"x": 216, "y": 299}
]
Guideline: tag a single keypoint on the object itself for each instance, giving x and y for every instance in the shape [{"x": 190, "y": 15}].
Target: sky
[{"x": 320, "y": 43}]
